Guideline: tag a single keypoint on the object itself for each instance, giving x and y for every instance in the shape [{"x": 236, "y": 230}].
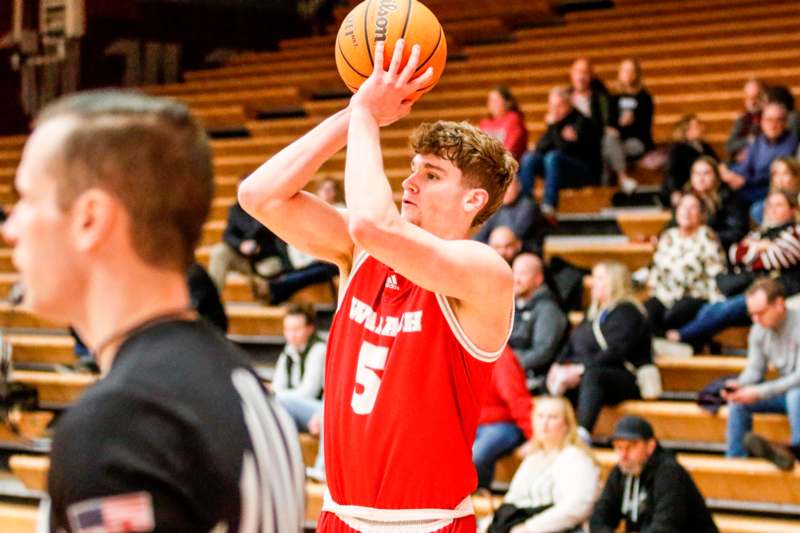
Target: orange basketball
[{"x": 389, "y": 20}]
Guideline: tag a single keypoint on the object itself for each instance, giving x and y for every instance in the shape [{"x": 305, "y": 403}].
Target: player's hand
[{"x": 386, "y": 93}]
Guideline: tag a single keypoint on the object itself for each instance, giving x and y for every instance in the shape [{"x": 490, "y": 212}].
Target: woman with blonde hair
[
  {"x": 556, "y": 486},
  {"x": 784, "y": 175},
  {"x": 597, "y": 366}
]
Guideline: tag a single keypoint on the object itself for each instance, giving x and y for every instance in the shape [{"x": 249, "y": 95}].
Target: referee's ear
[{"x": 98, "y": 221}]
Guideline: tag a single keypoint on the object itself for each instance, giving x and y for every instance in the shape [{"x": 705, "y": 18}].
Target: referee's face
[{"x": 38, "y": 227}]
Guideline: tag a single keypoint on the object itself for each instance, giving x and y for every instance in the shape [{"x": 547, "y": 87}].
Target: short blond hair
[
  {"x": 620, "y": 287},
  {"x": 482, "y": 159}
]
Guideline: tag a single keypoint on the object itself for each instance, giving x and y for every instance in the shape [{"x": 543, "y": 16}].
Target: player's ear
[{"x": 475, "y": 200}]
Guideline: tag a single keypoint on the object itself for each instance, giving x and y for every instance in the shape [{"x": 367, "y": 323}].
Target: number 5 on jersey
[{"x": 371, "y": 359}]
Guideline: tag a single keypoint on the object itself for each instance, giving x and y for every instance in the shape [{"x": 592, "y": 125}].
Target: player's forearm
[
  {"x": 290, "y": 170},
  {"x": 367, "y": 191}
]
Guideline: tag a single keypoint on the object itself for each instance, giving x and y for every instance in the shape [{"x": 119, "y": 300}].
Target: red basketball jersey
[{"x": 403, "y": 392}]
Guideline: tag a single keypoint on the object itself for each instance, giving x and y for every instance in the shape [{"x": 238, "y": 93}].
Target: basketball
[{"x": 389, "y": 20}]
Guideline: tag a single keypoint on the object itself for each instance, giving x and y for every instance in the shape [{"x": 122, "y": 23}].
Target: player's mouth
[{"x": 406, "y": 201}]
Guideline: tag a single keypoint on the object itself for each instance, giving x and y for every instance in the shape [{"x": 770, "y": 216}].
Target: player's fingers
[
  {"x": 397, "y": 57},
  {"x": 377, "y": 66},
  {"x": 410, "y": 67},
  {"x": 423, "y": 80}
]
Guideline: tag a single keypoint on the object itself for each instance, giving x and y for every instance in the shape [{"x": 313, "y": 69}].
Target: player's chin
[{"x": 410, "y": 213}]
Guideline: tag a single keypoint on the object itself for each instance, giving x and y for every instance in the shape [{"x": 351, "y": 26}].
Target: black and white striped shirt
[{"x": 182, "y": 426}]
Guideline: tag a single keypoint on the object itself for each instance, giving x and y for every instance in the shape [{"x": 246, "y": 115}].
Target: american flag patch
[{"x": 123, "y": 513}]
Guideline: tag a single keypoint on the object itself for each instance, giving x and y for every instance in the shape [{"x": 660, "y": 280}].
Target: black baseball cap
[{"x": 633, "y": 428}]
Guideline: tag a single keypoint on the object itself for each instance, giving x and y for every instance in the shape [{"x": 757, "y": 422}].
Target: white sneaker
[{"x": 672, "y": 349}]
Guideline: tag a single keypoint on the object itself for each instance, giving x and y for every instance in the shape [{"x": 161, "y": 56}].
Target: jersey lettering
[
  {"x": 388, "y": 326},
  {"x": 371, "y": 358}
]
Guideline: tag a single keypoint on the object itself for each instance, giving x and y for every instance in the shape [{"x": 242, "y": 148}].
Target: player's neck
[{"x": 119, "y": 303}]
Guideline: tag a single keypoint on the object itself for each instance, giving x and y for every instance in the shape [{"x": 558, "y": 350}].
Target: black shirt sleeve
[
  {"x": 608, "y": 509},
  {"x": 105, "y": 452}
]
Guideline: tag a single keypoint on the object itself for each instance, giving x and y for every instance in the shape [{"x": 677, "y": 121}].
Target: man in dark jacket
[
  {"x": 567, "y": 155},
  {"x": 539, "y": 323},
  {"x": 247, "y": 247},
  {"x": 648, "y": 489}
]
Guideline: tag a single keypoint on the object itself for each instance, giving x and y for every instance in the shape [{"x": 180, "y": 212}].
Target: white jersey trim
[
  {"x": 357, "y": 262},
  {"x": 464, "y": 340},
  {"x": 373, "y": 520}
]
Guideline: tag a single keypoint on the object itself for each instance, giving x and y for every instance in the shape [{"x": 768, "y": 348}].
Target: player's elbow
[
  {"x": 254, "y": 197},
  {"x": 367, "y": 229}
]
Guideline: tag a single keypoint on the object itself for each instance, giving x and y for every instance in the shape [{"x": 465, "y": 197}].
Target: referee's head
[{"x": 107, "y": 175}]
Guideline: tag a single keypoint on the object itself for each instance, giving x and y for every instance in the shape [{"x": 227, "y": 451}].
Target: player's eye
[{"x": 432, "y": 176}]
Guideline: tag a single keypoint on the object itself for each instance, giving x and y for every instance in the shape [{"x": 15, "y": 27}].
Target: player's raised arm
[
  {"x": 427, "y": 242},
  {"x": 274, "y": 194}
]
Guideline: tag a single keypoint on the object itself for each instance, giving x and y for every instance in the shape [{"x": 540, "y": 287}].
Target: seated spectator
[
  {"x": 205, "y": 298},
  {"x": 567, "y": 155},
  {"x": 781, "y": 94},
  {"x": 685, "y": 264},
  {"x": 329, "y": 191},
  {"x": 773, "y": 250},
  {"x": 597, "y": 365},
  {"x": 505, "y": 419},
  {"x": 751, "y": 178},
  {"x": 629, "y": 133},
  {"x": 505, "y": 242},
  {"x": 518, "y": 212},
  {"x": 539, "y": 323},
  {"x": 784, "y": 174},
  {"x": 774, "y": 341},
  {"x": 247, "y": 246},
  {"x": 725, "y": 212},
  {"x": 747, "y": 125},
  {"x": 300, "y": 373},
  {"x": 505, "y": 122},
  {"x": 557, "y": 484},
  {"x": 648, "y": 488},
  {"x": 687, "y": 146},
  {"x": 589, "y": 94}
]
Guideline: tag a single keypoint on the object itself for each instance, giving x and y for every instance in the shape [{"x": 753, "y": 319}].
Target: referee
[{"x": 179, "y": 435}]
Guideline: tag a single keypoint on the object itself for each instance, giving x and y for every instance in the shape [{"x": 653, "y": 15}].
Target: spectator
[
  {"x": 781, "y": 94},
  {"x": 773, "y": 251},
  {"x": 751, "y": 178},
  {"x": 598, "y": 362},
  {"x": 687, "y": 146},
  {"x": 505, "y": 420},
  {"x": 567, "y": 155},
  {"x": 648, "y": 488},
  {"x": 784, "y": 174},
  {"x": 725, "y": 212},
  {"x": 330, "y": 192},
  {"x": 774, "y": 341},
  {"x": 247, "y": 246},
  {"x": 505, "y": 242},
  {"x": 205, "y": 298},
  {"x": 629, "y": 134},
  {"x": 588, "y": 93},
  {"x": 686, "y": 261},
  {"x": 505, "y": 122},
  {"x": 299, "y": 376},
  {"x": 305, "y": 269},
  {"x": 557, "y": 484},
  {"x": 518, "y": 212},
  {"x": 539, "y": 323},
  {"x": 748, "y": 124}
]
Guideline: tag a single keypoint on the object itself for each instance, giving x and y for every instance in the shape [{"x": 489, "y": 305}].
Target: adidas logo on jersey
[{"x": 391, "y": 282}]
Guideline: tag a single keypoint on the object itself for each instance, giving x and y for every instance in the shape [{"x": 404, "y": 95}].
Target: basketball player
[
  {"x": 423, "y": 312},
  {"x": 178, "y": 435}
]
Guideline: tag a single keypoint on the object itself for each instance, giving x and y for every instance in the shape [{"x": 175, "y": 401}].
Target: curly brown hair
[{"x": 482, "y": 159}]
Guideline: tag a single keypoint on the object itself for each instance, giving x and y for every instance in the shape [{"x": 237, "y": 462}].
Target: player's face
[
  {"x": 434, "y": 194},
  {"x": 632, "y": 455},
  {"x": 39, "y": 229}
]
